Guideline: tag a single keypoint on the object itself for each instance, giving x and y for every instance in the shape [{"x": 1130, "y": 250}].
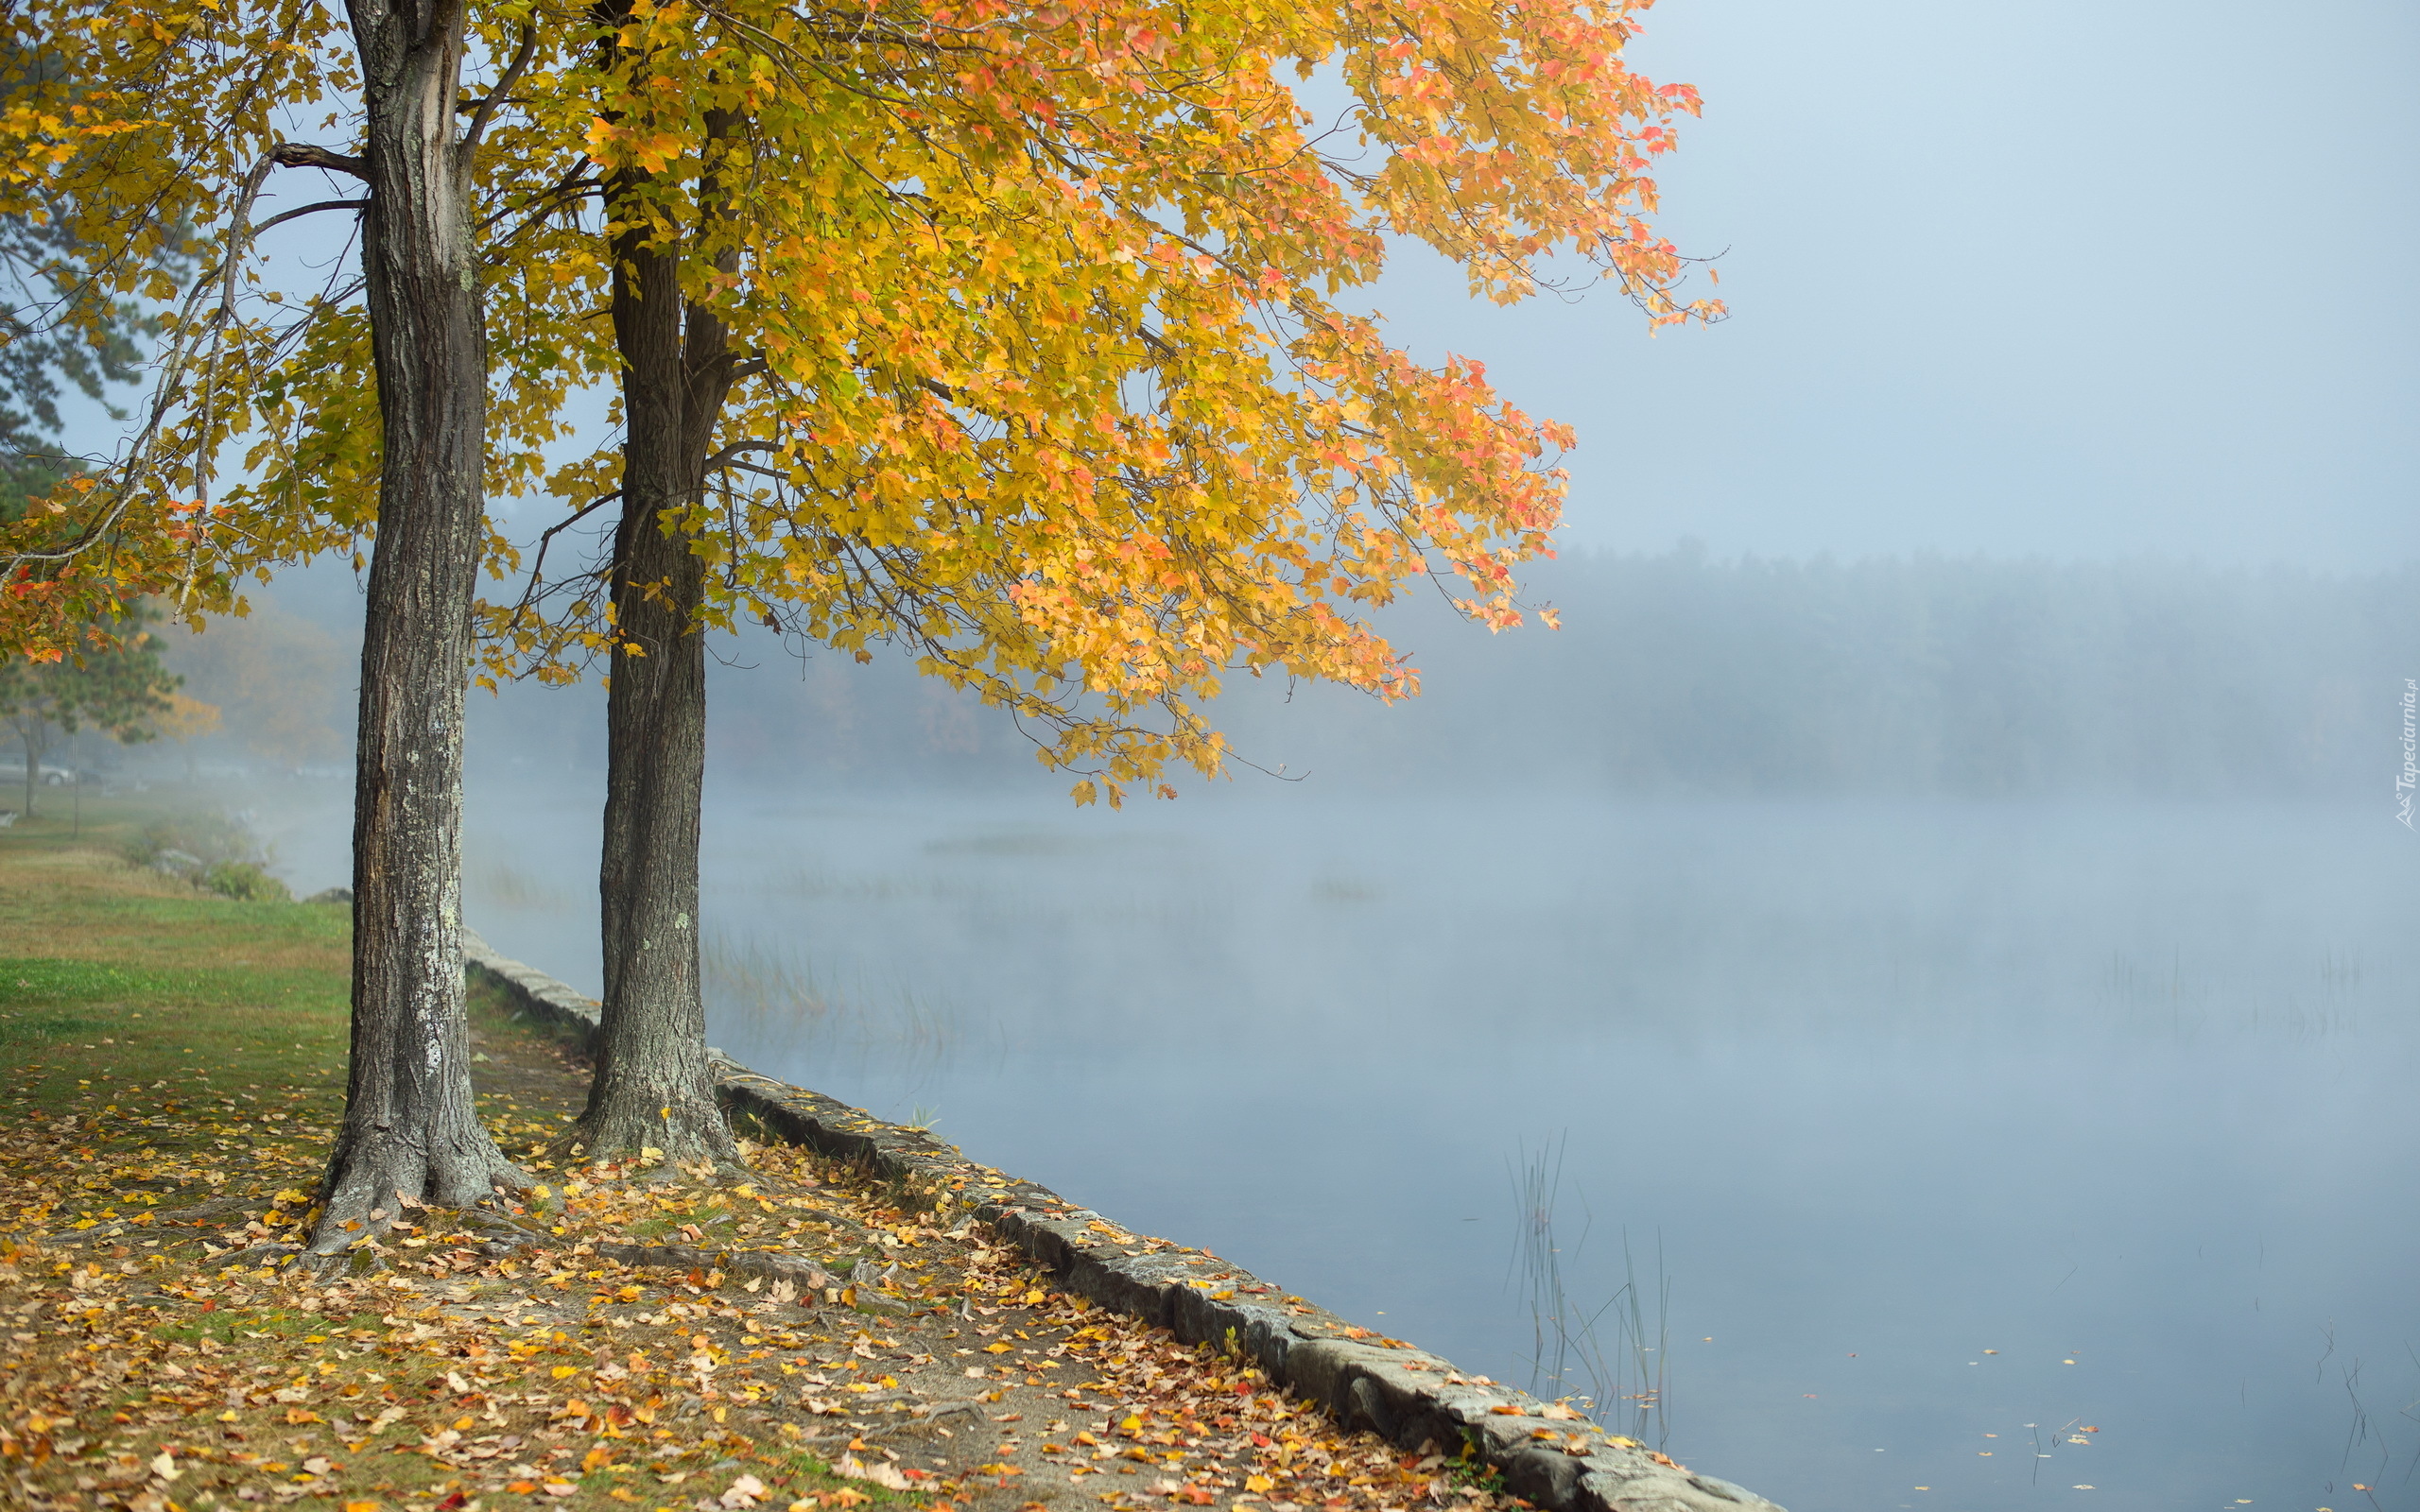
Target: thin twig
[
  {"x": 310, "y": 210},
  {"x": 495, "y": 97}
]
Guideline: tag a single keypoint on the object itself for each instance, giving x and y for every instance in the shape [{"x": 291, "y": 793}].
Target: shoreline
[{"x": 1360, "y": 1378}]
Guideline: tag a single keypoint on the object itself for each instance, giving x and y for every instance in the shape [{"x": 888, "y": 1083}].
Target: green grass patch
[
  {"x": 34, "y": 980},
  {"x": 33, "y": 1027},
  {"x": 122, "y": 985},
  {"x": 69, "y": 1026},
  {"x": 796, "y": 1473},
  {"x": 236, "y": 1324}
]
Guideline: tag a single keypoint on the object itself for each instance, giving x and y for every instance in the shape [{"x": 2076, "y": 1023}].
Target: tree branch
[
  {"x": 542, "y": 203},
  {"x": 303, "y": 155},
  {"x": 729, "y": 464},
  {"x": 738, "y": 448},
  {"x": 538, "y": 564},
  {"x": 306, "y": 210},
  {"x": 513, "y": 73}
]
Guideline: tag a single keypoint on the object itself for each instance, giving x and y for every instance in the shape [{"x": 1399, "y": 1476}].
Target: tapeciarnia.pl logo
[{"x": 2409, "y": 775}]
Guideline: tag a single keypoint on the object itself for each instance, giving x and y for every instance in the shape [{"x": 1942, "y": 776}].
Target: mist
[
  {"x": 1941, "y": 897},
  {"x": 1905, "y": 957},
  {"x": 1674, "y": 673}
]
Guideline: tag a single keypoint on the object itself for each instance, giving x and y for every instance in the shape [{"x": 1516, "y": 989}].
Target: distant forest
[
  {"x": 1966, "y": 677},
  {"x": 1677, "y": 673}
]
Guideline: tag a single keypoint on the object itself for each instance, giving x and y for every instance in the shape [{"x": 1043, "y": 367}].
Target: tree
[
  {"x": 1003, "y": 340},
  {"x": 411, "y": 1132},
  {"x": 114, "y": 681},
  {"x": 56, "y": 325},
  {"x": 1028, "y": 315},
  {"x": 177, "y": 114},
  {"x": 187, "y": 720},
  {"x": 652, "y": 1086}
]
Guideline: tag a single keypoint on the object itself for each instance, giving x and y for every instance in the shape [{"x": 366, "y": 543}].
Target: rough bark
[
  {"x": 411, "y": 1134},
  {"x": 653, "y": 1089}
]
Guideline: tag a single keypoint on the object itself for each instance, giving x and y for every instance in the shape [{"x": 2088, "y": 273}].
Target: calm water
[{"x": 1935, "y": 1134}]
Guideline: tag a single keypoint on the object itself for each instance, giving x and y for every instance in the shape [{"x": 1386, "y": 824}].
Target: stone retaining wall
[{"x": 1362, "y": 1379}]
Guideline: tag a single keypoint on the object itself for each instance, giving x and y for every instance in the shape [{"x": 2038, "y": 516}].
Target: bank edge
[{"x": 1362, "y": 1380}]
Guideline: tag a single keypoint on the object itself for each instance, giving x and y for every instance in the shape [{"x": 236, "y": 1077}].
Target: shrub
[{"x": 246, "y": 881}]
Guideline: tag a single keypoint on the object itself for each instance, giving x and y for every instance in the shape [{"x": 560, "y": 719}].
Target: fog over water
[{"x": 1931, "y": 971}]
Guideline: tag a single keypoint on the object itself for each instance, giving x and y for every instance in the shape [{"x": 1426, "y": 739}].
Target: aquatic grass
[
  {"x": 506, "y": 887},
  {"x": 792, "y": 1001},
  {"x": 1625, "y": 1385}
]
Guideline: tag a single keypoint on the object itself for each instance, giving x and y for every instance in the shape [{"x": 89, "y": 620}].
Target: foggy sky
[{"x": 2088, "y": 277}]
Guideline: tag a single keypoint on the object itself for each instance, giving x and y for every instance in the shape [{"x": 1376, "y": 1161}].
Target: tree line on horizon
[{"x": 1674, "y": 673}]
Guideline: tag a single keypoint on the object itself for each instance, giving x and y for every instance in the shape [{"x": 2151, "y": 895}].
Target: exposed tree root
[
  {"x": 667, "y": 1126},
  {"x": 772, "y": 1264},
  {"x": 373, "y": 1180}
]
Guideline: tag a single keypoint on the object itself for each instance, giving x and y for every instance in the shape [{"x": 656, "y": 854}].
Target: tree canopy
[
  {"x": 1041, "y": 363},
  {"x": 1045, "y": 372},
  {"x": 58, "y": 329}
]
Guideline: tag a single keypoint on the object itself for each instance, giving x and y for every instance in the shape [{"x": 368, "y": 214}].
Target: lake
[{"x": 1955, "y": 1156}]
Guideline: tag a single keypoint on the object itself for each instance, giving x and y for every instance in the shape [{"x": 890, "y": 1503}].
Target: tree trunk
[
  {"x": 28, "y": 733},
  {"x": 653, "y": 1091},
  {"x": 411, "y": 1134}
]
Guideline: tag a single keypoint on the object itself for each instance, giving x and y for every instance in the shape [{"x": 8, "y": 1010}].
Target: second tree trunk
[{"x": 653, "y": 1091}]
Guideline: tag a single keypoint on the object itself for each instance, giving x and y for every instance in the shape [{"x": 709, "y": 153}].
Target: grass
[
  {"x": 171, "y": 1077},
  {"x": 271, "y": 1323},
  {"x": 105, "y": 968}
]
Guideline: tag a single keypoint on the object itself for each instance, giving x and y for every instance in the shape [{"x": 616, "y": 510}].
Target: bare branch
[
  {"x": 541, "y": 205},
  {"x": 303, "y": 155},
  {"x": 308, "y": 210},
  {"x": 738, "y": 448},
  {"x": 731, "y": 465},
  {"x": 538, "y": 564},
  {"x": 495, "y": 97},
  {"x": 239, "y": 231}
]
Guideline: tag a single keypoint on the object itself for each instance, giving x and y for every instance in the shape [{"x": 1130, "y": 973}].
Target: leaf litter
[{"x": 629, "y": 1338}]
